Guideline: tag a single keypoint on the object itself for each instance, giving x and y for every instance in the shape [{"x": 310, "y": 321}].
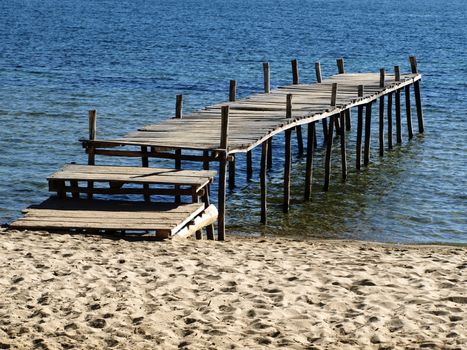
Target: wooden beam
[
  {"x": 408, "y": 112},
  {"x": 309, "y": 159},
  {"x": 263, "y": 182},
  {"x": 287, "y": 157},
  {"x": 340, "y": 65},
  {"x": 359, "y": 129},
  {"x": 343, "y": 148},
  {"x": 266, "y": 78},
  {"x": 222, "y": 172},
  {"x": 295, "y": 77},
  {"x": 327, "y": 161},
  {"x": 390, "y": 120},
  {"x": 366, "y": 155},
  {"x": 381, "y": 126},
  {"x": 178, "y": 152},
  {"x": 418, "y": 99}
]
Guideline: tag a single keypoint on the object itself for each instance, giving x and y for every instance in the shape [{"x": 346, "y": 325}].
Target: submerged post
[
  {"x": 343, "y": 149},
  {"x": 408, "y": 112},
  {"x": 340, "y": 65},
  {"x": 366, "y": 155},
  {"x": 397, "y": 74},
  {"x": 287, "y": 156},
  {"x": 263, "y": 182},
  {"x": 327, "y": 161},
  {"x": 310, "y": 146},
  {"x": 359, "y": 129},
  {"x": 178, "y": 152},
  {"x": 90, "y": 148},
  {"x": 381, "y": 114},
  {"x": 222, "y": 171},
  {"x": 418, "y": 99}
]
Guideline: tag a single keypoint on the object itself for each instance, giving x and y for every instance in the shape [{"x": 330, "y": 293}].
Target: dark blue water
[{"x": 128, "y": 60}]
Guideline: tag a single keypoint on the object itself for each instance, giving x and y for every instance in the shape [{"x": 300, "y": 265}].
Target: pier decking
[{"x": 219, "y": 132}]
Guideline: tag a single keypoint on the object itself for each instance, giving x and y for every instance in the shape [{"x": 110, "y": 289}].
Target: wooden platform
[
  {"x": 80, "y": 214},
  {"x": 254, "y": 119}
]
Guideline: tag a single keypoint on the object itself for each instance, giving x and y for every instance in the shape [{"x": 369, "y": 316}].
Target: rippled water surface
[{"x": 128, "y": 60}]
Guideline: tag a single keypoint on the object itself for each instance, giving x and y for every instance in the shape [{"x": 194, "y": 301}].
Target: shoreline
[{"x": 81, "y": 291}]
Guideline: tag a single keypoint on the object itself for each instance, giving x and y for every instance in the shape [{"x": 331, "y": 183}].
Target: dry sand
[{"x": 87, "y": 292}]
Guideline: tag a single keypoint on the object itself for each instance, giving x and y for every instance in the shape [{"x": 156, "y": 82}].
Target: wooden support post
[
  {"x": 207, "y": 203},
  {"x": 327, "y": 161},
  {"x": 298, "y": 129},
  {"x": 340, "y": 66},
  {"x": 324, "y": 121},
  {"x": 390, "y": 121},
  {"x": 333, "y": 104},
  {"x": 263, "y": 182},
  {"x": 348, "y": 119},
  {"x": 91, "y": 154},
  {"x": 381, "y": 77},
  {"x": 408, "y": 112},
  {"x": 287, "y": 157},
  {"x": 359, "y": 130},
  {"x": 310, "y": 146},
  {"x": 343, "y": 149},
  {"x": 266, "y": 77},
  {"x": 233, "y": 91},
  {"x": 249, "y": 165},
  {"x": 270, "y": 153},
  {"x": 381, "y": 125},
  {"x": 178, "y": 152},
  {"x": 397, "y": 76},
  {"x": 418, "y": 99},
  {"x": 206, "y": 162},
  {"x": 145, "y": 164},
  {"x": 222, "y": 172},
  {"x": 232, "y": 173},
  {"x": 319, "y": 79},
  {"x": 295, "y": 77},
  {"x": 366, "y": 155}
]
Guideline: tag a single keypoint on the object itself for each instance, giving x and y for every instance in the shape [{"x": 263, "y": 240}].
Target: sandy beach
[{"x": 62, "y": 291}]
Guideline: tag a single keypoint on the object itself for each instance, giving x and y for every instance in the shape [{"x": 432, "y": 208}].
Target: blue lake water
[{"x": 128, "y": 60}]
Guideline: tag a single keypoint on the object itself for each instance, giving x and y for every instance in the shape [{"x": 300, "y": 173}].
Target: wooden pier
[{"x": 219, "y": 133}]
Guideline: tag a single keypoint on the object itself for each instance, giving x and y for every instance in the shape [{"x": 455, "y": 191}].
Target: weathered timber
[
  {"x": 311, "y": 138},
  {"x": 359, "y": 130},
  {"x": 343, "y": 148},
  {"x": 178, "y": 152},
  {"x": 366, "y": 152},
  {"x": 327, "y": 161},
  {"x": 295, "y": 77},
  {"x": 249, "y": 165},
  {"x": 340, "y": 66},
  {"x": 348, "y": 119},
  {"x": 418, "y": 99},
  {"x": 408, "y": 112},
  {"x": 224, "y": 140},
  {"x": 266, "y": 78},
  {"x": 232, "y": 91},
  {"x": 397, "y": 102},
  {"x": 91, "y": 150},
  {"x": 389, "y": 112},
  {"x": 381, "y": 126},
  {"x": 287, "y": 157},
  {"x": 263, "y": 182}
]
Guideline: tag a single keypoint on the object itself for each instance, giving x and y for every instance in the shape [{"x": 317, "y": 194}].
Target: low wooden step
[{"x": 108, "y": 215}]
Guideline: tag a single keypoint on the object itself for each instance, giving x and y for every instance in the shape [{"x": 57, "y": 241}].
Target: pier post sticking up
[
  {"x": 178, "y": 152},
  {"x": 267, "y": 89},
  {"x": 145, "y": 164},
  {"x": 232, "y": 98},
  {"x": 390, "y": 121},
  {"x": 298, "y": 128},
  {"x": 263, "y": 182},
  {"x": 366, "y": 152},
  {"x": 327, "y": 161},
  {"x": 287, "y": 156},
  {"x": 359, "y": 130},
  {"x": 340, "y": 65},
  {"x": 348, "y": 119},
  {"x": 381, "y": 114},
  {"x": 397, "y": 76},
  {"x": 324, "y": 121},
  {"x": 418, "y": 99},
  {"x": 408, "y": 112},
  {"x": 222, "y": 171},
  {"x": 90, "y": 150},
  {"x": 310, "y": 147},
  {"x": 343, "y": 148}
]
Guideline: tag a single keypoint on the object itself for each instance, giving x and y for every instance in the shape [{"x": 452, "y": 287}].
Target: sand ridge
[{"x": 62, "y": 291}]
